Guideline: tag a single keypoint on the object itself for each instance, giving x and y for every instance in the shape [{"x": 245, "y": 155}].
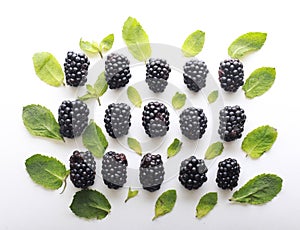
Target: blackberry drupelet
[
  {"x": 228, "y": 174},
  {"x": 195, "y": 73},
  {"x": 76, "y": 69},
  {"x": 232, "y": 120},
  {"x": 231, "y": 74},
  {"x": 117, "y": 119},
  {"x": 157, "y": 74},
  {"x": 117, "y": 73},
  {"x": 156, "y": 119},
  {"x": 193, "y": 123},
  {"x": 114, "y": 169},
  {"x": 192, "y": 173},
  {"x": 82, "y": 169},
  {"x": 72, "y": 118},
  {"x": 151, "y": 172}
]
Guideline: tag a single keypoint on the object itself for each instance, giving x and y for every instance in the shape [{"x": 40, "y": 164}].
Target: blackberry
[
  {"x": 117, "y": 73},
  {"x": 228, "y": 174},
  {"x": 193, "y": 123},
  {"x": 151, "y": 172},
  {"x": 76, "y": 69},
  {"x": 117, "y": 119},
  {"x": 231, "y": 74},
  {"x": 195, "y": 73},
  {"x": 72, "y": 118},
  {"x": 114, "y": 169},
  {"x": 232, "y": 120},
  {"x": 82, "y": 169},
  {"x": 157, "y": 74},
  {"x": 192, "y": 173},
  {"x": 156, "y": 119}
]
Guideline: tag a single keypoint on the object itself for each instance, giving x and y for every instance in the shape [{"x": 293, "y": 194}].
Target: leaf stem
[
  {"x": 99, "y": 102},
  {"x": 65, "y": 185},
  {"x": 101, "y": 55}
]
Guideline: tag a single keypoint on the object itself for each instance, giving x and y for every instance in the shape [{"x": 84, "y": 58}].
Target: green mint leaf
[
  {"x": 259, "y": 190},
  {"x": 214, "y": 150},
  {"x": 246, "y": 43},
  {"x": 134, "y": 145},
  {"x": 206, "y": 204},
  {"x": 136, "y": 39},
  {"x": 86, "y": 97},
  {"x": 259, "y": 81},
  {"x": 174, "y": 148},
  {"x": 178, "y": 100},
  {"x": 107, "y": 43},
  {"x": 259, "y": 141},
  {"x": 131, "y": 194},
  {"x": 46, "y": 171},
  {"x": 193, "y": 44},
  {"x": 94, "y": 139},
  {"x": 134, "y": 96},
  {"x": 90, "y": 204},
  {"x": 88, "y": 47},
  {"x": 90, "y": 89},
  {"x": 165, "y": 203},
  {"x": 213, "y": 96},
  {"x": 39, "y": 121},
  {"x": 48, "y": 69}
]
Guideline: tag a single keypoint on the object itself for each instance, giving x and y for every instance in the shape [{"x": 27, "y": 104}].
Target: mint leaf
[
  {"x": 131, "y": 194},
  {"x": 107, "y": 43},
  {"x": 48, "y": 69},
  {"x": 259, "y": 141},
  {"x": 88, "y": 47},
  {"x": 90, "y": 204},
  {"x": 165, "y": 203},
  {"x": 174, "y": 148},
  {"x": 246, "y": 43},
  {"x": 259, "y": 190},
  {"x": 178, "y": 100},
  {"x": 213, "y": 96},
  {"x": 193, "y": 44},
  {"x": 214, "y": 150},
  {"x": 39, "y": 121},
  {"x": 206, "y": 204},
  {"x": 134, "y": 96},
  {"x": 94, "y": 139},
  {"x": 259, "y": 82},
  {"x": 134, "y": 145},
  {"x": 136, "y": 39},
  {"x": 46, "y": 171}
]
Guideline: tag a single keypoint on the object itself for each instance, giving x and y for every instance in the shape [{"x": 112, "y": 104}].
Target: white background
[{"x": 56, "y": 26}]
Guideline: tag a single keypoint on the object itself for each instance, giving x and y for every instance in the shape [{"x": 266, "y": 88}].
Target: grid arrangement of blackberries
[
  {"x": 231, "y": 74},
  {"x": 114, "y": 169},
  {"x": 193, "y": 123},
  {"x": 192, "y": 173},
  {"x": 151, "y": 172},
  {"x": 76, "y": 69},
  {"x": 194, "y": 74},
  {"x": 117, "y": 119},
  {"x": 232, "y": 120},
  {"x": 82, "y": 169},
  {"x": 228, "y": 174},
  {"x": 157, "y": 74},
  {"x": 72, "y": 118},
  {"x": 117, "y": 72}
]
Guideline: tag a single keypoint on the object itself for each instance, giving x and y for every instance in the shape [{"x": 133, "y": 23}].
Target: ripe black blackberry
[
  {"x": 72, "y": 118},
  {"x": 76, "y": 68},
  {"x": 156, "y": 119},
  {"x": 117, "y": 119},
  {"x": 193, "y": 123},
  {"x": 82, "y": 169},
  {"x": 117, "y": 73},
  {"x": 232, "y": 120},
  {"x": 157, "y": 74},
  {"x": 228, "y": 174},
  {"x": 192, "y": 173},
  {"x": 195, "y": 73},
  {"x": 114, "y": 169},
  {"x": 151, "y": 172},
  {"x": 231, "y": 74}
]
